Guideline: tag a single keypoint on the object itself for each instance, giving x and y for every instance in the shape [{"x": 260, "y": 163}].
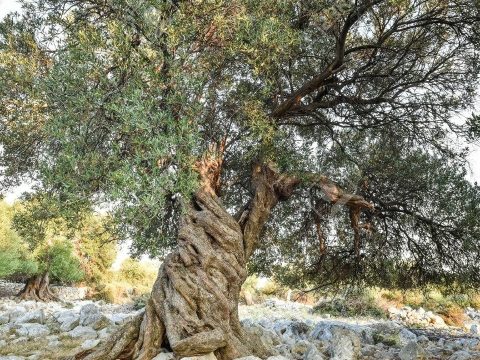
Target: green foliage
[
  {"x": 95, "y": 248},
  {"x": 58, "y": 259},
  {"x": 111, "y": 103},
  {"x": 14, "y": 257},
  {"x": 134, "y": 272},
  {"x": 131, "y": 283},
  {"x": 42, "y": 244}
]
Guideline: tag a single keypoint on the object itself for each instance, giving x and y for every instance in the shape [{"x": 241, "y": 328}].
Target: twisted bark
[{"x": 193, "y": 308}]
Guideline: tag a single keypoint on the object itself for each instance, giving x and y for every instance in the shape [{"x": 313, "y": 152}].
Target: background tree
[
  {"x": 48, "y": 240},
  {"x": 14, "y": 257},
  {"x": 159, "y": 109}
]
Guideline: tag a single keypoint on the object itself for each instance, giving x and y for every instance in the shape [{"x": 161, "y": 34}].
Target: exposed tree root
[{"x": 38, "y": 288}]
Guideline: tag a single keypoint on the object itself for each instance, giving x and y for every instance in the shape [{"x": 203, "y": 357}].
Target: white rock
[
  {"x": 11, "y": 357},
  {"x": 32, "y": 330},
  {"x": 321, "y": 332},
  {"x": 474, "y": 330},
  {"x": 31, "y": 317},
  {"x": 89, "y": 315},
  {"x": 405, "y": 336},
  {"x": 251, "y": 357},
  {"x": 119, "y": 318},
  {"x": 20, "y": 340},
  {"x": 437, "y": 320},
  {"x": 277, "y": 357},
  {"x": 313, "y": 354},
  {"x": 412, "y": 351},
  {"x": 54, "y": 343},
  {"x": 85, "y": 332},
  {"x": 3, "y": 343},
  {"x": 164, "y": 356},
  {"x": 90, "y": 344},
  {"x": 68, "y": 320},
  {"x": 345, "y": 344},
  {"x": 210, "y": 356},
  {"x": 461, "y": 355}
]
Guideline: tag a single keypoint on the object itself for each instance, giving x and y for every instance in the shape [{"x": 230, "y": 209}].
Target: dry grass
[
  {"x": 67, "y": 348},
  {"x": 453, "y": 315}
]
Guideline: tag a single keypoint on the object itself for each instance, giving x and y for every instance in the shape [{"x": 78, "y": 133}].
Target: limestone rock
[
  {"x": 85, "y": 332},
  {"x": 405, "y": 336},
  {"x": 31, "y": 317},
  {"x": 32, "y": 330},
  {"x": 210, "y": 356},
  {"x": 345, "y": 344},
  {"x": 412, "y": 351},
  {"x": 90, "y": 344},
  {"x": 164, "y": 356},
  {"x": 313, "y": 354},
  {"x": 89, "y": 314}
]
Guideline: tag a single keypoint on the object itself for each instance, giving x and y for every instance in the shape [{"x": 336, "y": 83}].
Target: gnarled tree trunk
[
  {"x": 193, "y": 308},
  {"x": 37, "y": 288}
]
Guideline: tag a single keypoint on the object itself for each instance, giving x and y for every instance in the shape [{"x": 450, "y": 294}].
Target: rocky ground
[{"x": 30, "y": 330}]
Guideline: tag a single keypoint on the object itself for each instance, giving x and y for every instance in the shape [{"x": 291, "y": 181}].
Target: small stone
[
  {"x": 251, "y": 357},
  {"x": 31, "y": 317},
  {"x": 412, "y": 351},
  {"x": 32, "y": 330},
  {"x": 165, "y": 356},
  {"x": 20, "y": 340},
  {"x": 90, "y": 344},
  {"x": 210, "y": 356},
  {"x": 345, "y": 344},
  {"x": 474, "y": 330},
  {"x": 423, "y": 339},
  {"x": 313, "y": 354},
  {"x": 277, "y": 357},
  {"x": 405, "y": 336},
  {"x": 460, "y": 355},
  {"x": 89, "y": 314},
  {"x": 119, "y": 318},
  {"x": 85, "y": 332},
  {"x": 54, "y": 343}
]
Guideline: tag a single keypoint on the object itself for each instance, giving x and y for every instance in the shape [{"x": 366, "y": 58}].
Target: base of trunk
[
  {"x": 38, "y": 288},
  {"x": 193, "y": 308}
]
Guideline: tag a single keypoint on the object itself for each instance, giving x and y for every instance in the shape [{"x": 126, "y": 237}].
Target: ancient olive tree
[{"x": 203, "y": 125}]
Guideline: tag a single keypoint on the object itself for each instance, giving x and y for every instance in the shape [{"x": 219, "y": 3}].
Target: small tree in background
[
  {"x": 96, "y": 249},
  {"x": 14, "y": 256},
  {"x": 49, "y": 241}
]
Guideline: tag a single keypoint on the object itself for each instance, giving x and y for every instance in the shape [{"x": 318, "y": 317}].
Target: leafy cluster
[{"x": 111, "y": 103}]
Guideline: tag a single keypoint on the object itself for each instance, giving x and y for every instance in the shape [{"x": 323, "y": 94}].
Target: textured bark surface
[
  {"x": 38, "y": 288},
  {"x": 193, "y": 308}
]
